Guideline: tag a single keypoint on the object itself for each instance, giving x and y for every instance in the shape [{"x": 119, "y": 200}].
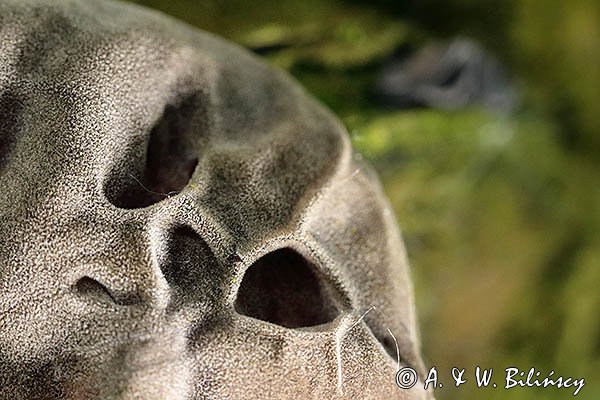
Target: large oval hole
[{"x": 284, "y": 288}]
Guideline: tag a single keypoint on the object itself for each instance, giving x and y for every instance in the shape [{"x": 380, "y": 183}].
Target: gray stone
[
  {"x": 180, "y": 221},
  {"x": 450, "y": 75}
]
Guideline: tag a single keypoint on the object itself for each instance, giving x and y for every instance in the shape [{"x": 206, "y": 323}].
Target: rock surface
[{"x": 161, "y": 191}]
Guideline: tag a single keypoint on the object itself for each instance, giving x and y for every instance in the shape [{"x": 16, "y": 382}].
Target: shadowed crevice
[
  {"x": 167, "y": 163},
  {"x": 91, "y": 288},
  {"x": 191, "y": 269},
  {"x": 11, "y": 111}
]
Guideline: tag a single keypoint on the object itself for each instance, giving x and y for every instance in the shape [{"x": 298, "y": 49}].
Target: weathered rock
[
  {"x": 449, "y": 75},
  {"x": 178, "y": 220}
]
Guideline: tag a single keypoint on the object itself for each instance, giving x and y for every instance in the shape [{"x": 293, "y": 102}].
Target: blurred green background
[{"x": 500, "y": 214}]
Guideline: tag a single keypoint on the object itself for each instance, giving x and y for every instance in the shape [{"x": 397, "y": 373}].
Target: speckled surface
[{"x": 82, "y": 86}]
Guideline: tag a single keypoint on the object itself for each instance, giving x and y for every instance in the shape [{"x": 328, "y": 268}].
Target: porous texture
[{"x": 144, "y": 167}]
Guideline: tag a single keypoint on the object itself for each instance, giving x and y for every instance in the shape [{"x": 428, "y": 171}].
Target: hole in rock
[
  {"x": 11, "y": 110},
  {"x": 451, "y": 77},
  {"x": 190, "y": 267},
  {"x": 166, "y": 164},
  {"x": 91, "y": 288},
  {"x": 284, "y": 288}
]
